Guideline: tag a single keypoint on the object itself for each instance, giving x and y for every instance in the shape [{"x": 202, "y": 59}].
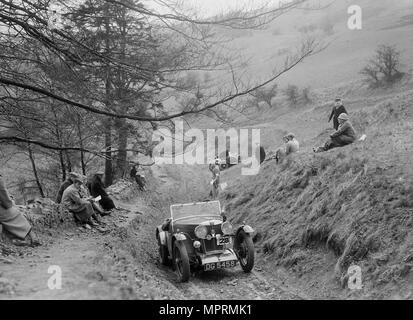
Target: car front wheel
[
  {"x": 181, "y": 262},
  {"x": 245, "y": 251}
]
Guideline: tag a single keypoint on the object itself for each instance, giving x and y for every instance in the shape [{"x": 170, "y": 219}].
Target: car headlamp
[
  {"x": 201, "y": 232},
  {"x": 226, "y": 228}
]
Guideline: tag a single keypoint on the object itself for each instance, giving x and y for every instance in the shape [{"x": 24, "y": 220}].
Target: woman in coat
[
  {"x": 13, "y": 221},
  {"x": 97, "y": 188}
]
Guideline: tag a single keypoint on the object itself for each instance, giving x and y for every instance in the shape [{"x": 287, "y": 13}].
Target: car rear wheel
[
  {"x": 163, "y": 252},
  {"x": 181, "y": 262},
  {"x": 245, "y": 251}
]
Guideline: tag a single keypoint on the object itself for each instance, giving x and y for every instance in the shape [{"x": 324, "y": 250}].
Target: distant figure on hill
[
  {"x": 97, "y": 188},
  {"x": 13, "y": 221},
  {"x": 335, "y": 113},
  {"x": 291, "y": 145},
  {"x": 345, "y": 135},
  {"x": 214, "y": 168},
  {"x": 68, "y": 182}
]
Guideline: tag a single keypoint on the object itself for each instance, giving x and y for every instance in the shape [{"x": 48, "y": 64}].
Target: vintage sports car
[{"x": 198, "y": 237}]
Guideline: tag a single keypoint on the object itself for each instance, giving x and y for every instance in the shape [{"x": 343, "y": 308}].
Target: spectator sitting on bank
[
  {"x": 137, "y": 176},
  {"x": 291, "y": 145},
  {"x": 81, "y": 208},
  {"x": 85, "y": 194},
  {"x": 68, "y": 182},
  {"x": 97, "y": 188},
  {"x": 13, "y": 221},
  {"x": 345, "y": 135}
]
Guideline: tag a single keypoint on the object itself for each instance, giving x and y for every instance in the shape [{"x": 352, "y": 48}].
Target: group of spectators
[
  {"x": 86, "y": 200},
  {"x": 343, "y": 135},
  {"x": 87, "y": 203}
]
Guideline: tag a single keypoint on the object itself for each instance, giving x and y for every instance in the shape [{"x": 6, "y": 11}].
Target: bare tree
[
  {"x": 292, "y": 94},
  {"x": 383, "y": 68},
  {"x": 306, "y": 95},
  {"x": 266, "y": 94},
  {"x": 92, "y": 72}
]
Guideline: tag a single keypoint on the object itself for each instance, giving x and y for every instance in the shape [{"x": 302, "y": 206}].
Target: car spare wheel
[
  {"x": 181, "y": 262},
  {"x": 245, "y": 250},
  {"x": 163, "y": 252}
]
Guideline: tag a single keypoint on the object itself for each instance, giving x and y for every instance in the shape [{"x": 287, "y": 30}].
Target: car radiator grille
[{"x": 211, "y": 245}]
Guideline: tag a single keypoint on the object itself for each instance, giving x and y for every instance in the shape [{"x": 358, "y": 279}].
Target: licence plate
[
  {"x": 220, "y": 265},
  {"x": 223, "y": 240}
]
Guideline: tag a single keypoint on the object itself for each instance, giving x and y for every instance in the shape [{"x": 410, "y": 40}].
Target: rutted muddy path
[
  {"x": 123, "y": 264},
  {"x": 222, "y": 284}
]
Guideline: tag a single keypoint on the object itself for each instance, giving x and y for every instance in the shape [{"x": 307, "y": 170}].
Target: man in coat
[
  {"x": 345, "y": 135},
  {"x": 335, "y": 113},
  {"x": 68, "y": 182},
  {"x": 81, "y": 208},
  {"x": 13, "y": 221}
]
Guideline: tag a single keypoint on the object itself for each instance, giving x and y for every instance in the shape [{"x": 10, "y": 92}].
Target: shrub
[
  {"x": 306, "y": 95},
  {"x": 383, "y": 68},
  {"x": 292, "y": 94}
]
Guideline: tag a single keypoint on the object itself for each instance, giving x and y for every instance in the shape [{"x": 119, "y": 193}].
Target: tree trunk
[
  {"x": 108, "y": 123},
  {"x": 108, "y": 154},
  {"x": 82, "y": 154},
  {"x": 62, "y": 165},
  {"x": 68, "y": 161},
  {"x": 121, "y": 163},
  {"x": 34, "y": 168}
]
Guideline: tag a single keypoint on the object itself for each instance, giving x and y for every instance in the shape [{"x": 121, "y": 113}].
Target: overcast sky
[{"x": 213, "y": 7}]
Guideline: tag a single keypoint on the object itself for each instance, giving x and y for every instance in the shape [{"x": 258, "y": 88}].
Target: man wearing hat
[
  {"x": 81, "y": 208},
  {"x": 335, "y": 113},
  {"x": 68, "y": 182},
  {"x": 97, "y": 188},
  {"x": 343, "y": 136}
]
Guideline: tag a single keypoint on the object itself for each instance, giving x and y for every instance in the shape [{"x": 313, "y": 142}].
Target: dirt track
[{"x": 124, "y": 264}]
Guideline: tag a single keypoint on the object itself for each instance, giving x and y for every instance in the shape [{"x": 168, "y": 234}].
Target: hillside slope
[
  {"x": 383, "y": 22},
  {"x": 318, "y": 214}
]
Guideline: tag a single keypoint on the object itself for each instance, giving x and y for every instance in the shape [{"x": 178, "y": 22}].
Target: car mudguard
[{"x": 162, "y": 237}]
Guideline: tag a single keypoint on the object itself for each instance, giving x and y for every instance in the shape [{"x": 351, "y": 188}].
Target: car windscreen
[{"x": 196, "y": 212}]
